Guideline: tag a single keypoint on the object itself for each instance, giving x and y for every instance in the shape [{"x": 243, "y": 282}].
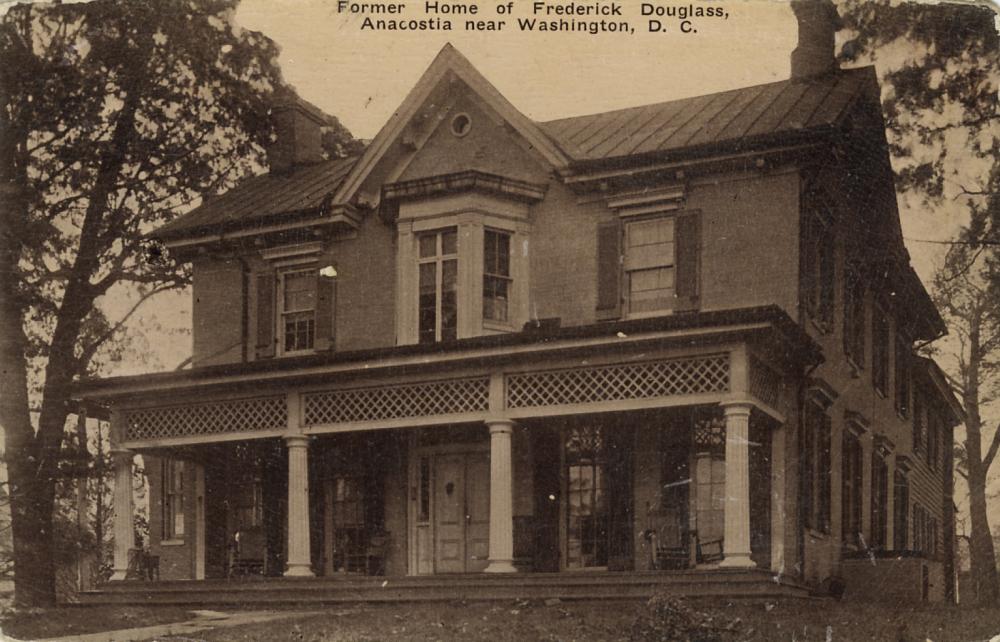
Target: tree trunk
[{"x": 981, "y": 553}]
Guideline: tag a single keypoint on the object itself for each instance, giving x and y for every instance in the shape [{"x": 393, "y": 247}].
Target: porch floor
[{"x": 626, "y": 585}]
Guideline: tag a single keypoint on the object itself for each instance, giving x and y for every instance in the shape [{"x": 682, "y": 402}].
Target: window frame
[
  {"x": 879, "y": 500},
  {"x": 881, "y": 346},
  {"x": 902, "y": 376},
  {"x": 626, "y": 271},
  {"x": 507, "y": 279},
  {"x": 818, "y": 465},
  {"x": 852, "y": 491},
  {"x": 821, "y": 251},
  {"x": 172, "y": 501},
  {"x": 438, "y": 260},
  {"x": 900, "y": 510},
  {"x": 855, "y": 312},
  {"x": 281, "y": 275}
]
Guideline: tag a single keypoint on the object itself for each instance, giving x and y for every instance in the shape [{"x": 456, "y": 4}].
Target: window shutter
[
  {"x": 326, "y": 301},
  {"x": 688, "y": 238},
  {"x": 609, "y": 266},
  {"x": 265, "y": 315}
]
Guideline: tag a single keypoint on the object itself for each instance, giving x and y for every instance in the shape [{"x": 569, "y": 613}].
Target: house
[{"x": 675, "y": 336}]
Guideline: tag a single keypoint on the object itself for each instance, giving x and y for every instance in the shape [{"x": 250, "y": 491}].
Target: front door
[{"x": 461, "y": 512}]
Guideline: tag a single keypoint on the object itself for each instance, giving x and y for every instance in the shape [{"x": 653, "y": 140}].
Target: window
[
  {"x": 496, "y": 276},
  {"x": 901, "y": 507},
  {"x": 250, "y": 504},
  {"x": 880, "y": 350},
  {"x": 918, "y": 424},
  {"x": 850, "y": 496},
  {"x": 819, "y": 262},
  {"x": 817, "y": 464},
  {"x": 438, "y": 283},
  {"x": 880, "y": 501},
  {"x": 924, "y": 531},
  {"x": 854, "y": 315},
  {"x": 902, "y": 376},
  {"x": 298, "y": 310},
  {"x": 173, "y": 499},
  {"x": 649, "y": 264},
  {"x": 934, "y": 431},
  {"x": 587, "y": 505}
]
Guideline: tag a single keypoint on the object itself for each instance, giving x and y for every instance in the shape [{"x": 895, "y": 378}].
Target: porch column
[
  {"x": 299, "y": 562},
  {"x": 736, "y": 542},
  {"x": 501, "y": 498},
  {"x": 124, "y": 514}
]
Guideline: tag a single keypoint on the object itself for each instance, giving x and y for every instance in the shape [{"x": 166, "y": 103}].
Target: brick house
[{"x": 669, "y": 337}]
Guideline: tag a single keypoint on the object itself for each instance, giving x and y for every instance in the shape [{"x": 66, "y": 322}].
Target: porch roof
[{"x": 770, "y": 320}]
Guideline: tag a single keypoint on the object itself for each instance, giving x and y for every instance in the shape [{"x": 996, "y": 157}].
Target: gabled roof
[
  {"x": 739, "y": 119},
  {"x": 262, "y": 198},
  {"x": 736, "y": 116}
]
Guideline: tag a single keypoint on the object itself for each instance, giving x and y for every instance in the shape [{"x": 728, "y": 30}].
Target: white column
[
  {"x": 199, "y": 521},
  {"x": 736, "y": 543},
  {"x": 778, "y": 499},
  {"x": 124, "y": 515},
  {"x": 299, "y": 562},
  {"x": 501, "y": 498}
]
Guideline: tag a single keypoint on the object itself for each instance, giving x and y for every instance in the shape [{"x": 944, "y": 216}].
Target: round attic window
[{"x": 461, "y": 124}]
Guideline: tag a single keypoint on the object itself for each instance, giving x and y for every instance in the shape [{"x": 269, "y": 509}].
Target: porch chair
[
  {"x": 246, "y": 554},
  {"x": 670, "y": 545}
]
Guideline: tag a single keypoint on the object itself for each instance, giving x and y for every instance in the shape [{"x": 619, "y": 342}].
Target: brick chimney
[
  {"x": 298, "y": 129},
  {"x": 818, "y": 22}
]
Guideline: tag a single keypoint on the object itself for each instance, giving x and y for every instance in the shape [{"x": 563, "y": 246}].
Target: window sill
[
  {"x": 879, "y": 392},
  {"x": 172, "y": 542},
  {"x": 854, "y": 367},
  {"x": 498, "y": 326},
  {"x": 817, "y": 535},
  {"x": 650, "y": 315}
]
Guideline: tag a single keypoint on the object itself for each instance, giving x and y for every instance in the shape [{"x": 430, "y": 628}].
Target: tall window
[
  {"x": 298, "y": 309},
  {"x": 819, "y": 268},
  {"x": 918, "y": 424},
  {"x": 880, "y": 350},
  {"x": 880, "y": 501},
  {"x": 854, "y": 315},
  {"x": 496, "y": 276},
  {"x": 901, "y": 507},
  {"x": 173, "y": 498},
  {"x": 438, "y": 265},
  {"x": 649, "y": 264},
  {"x": 587, "y": 505},
  {"x": 902, "y": 376},
  {"x": 934, "y": 429},
  {"x": 817, "y": 464},
  {"x": 850, "y": 496}
]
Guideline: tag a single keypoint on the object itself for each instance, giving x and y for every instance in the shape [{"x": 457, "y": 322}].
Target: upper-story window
[
  {"x": 438, "y": 276},
  {"x": 880, "y": 350},
  {"x": 918, "y": 423},
  {"x": 935, "y": 428},
  {"x": 816, "y": 454},
  {"x": 902, "y": 375},
  {"x": 297, "y": 310},
  {"x": 649, "y": 264},
  {"x": 496, "y": 276},
  {"x": 819, "y": 263},
  {"x": 854, "y": 314}
]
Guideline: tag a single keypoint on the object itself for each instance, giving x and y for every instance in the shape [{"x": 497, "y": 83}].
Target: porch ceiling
[{"x": 768, "y": 324}]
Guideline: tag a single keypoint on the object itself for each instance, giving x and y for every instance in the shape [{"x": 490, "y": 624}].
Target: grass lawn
[
  {"x": 77, "y": 620},
  {"x": 523, "y": 622}
]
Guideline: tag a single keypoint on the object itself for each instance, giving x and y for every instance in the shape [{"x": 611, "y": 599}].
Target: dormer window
[
  {"x": 438, "y": 274},
  {"x": 298, "y": 310}
]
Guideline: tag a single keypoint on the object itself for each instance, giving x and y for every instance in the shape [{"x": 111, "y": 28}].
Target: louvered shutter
[
  {"x": 265, "y": 315},
  {"x": 688, "y": 249},
  {"x": 326, "y": 302},
  {"x": 609, "y": 267}
]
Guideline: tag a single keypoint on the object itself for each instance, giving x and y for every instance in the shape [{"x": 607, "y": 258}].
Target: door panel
[
  {"x": 449, "y": 505},
  {"x": 477, "y": 488}
]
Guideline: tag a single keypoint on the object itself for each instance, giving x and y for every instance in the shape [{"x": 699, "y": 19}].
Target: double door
[{"x": 461, "y": 512}]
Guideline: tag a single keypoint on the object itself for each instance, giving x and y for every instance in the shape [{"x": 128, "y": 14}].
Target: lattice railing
[
  {"x": 765, "y": 383},
  {"x": 687, "y": 376},
  {"x": 211, "y": 418},
  {"x": 456, "y": 396}
]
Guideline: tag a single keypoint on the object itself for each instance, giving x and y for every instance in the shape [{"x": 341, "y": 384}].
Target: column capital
[
  {"x": 736, "y": 408},
  {"x": 297, "y": 441},
  {"x": 122, "y": 455},
  {"x": 499, "y": 425}
]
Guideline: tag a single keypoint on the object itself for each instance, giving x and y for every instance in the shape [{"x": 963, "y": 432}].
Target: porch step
[{"x": 566, "y": 586}]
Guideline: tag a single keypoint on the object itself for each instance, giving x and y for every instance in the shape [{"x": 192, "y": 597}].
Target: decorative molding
[
  {"x": 467, "y": 181},
  {"x": 856, "y": 423},
  {"x": 210, "y": 418},
  {"x": 904, "y": 464},
  {"x": 380, "y": 403},
  {"x": 765, "y": 382},
  {"x": 883, "y": 445},
  {"x": 821, "y": 392},
  {"x": 290, "y": 251},
  {"x": 648, "y": 201}
]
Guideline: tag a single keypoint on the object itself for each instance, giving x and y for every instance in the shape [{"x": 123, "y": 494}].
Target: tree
[
  {"x": 114, "y": 116},
  {"x": 940, "y": 69}
]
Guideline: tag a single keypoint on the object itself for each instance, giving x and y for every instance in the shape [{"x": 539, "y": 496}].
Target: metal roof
[
  {"x": 737, "y": 117},
  {"x": 264, "y": 196},
  {"x": 731, "y": 116}
]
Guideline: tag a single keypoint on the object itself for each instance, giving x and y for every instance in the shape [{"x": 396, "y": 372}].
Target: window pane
[
  {"x": 449, "y": 242},
  {"x": 428, "y": 245},
  {"x": 495, "y": 298},
  {"x": 651, "y": 290},
  {"x": 299, "y": 291},
  {"x": 428, "y": 302},
  {"x": 651, "y": 232}
]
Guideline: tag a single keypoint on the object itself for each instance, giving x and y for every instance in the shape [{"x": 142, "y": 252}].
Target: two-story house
[{"x": 668, "y": 337}]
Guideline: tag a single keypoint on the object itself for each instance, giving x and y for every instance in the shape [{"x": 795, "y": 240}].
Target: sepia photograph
[{"x": 596, "y": 320}]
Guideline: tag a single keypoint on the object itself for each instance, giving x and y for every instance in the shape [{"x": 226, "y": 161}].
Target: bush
[{"x": 666, "y": 618}]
